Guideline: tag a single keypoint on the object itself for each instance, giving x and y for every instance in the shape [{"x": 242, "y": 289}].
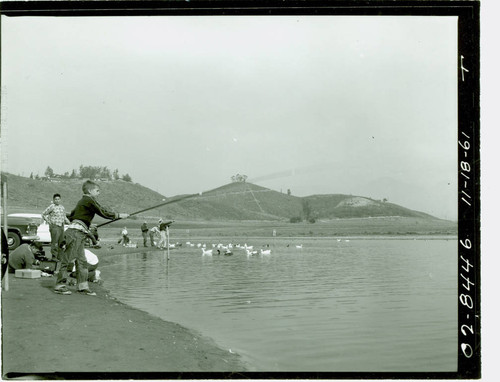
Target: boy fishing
[{"x": 78, "y": 230}]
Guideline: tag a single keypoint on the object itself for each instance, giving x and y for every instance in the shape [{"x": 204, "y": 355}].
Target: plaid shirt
[{"x": 55, "y": 215}]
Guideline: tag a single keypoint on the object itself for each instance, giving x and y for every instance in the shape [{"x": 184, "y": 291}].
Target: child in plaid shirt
[
  {"x": 75, "y": 236},
  {"x": 55, "y": 216}
]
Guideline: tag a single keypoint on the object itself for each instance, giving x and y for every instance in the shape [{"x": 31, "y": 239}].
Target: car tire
[{"x": 14, "y": 240}]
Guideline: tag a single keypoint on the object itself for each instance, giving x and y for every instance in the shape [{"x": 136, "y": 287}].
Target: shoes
[
  {"x": 62, "y": 290},
  {"x": 87, "y": 292}
]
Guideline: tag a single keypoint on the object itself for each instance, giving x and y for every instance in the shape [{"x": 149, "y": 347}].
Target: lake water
[{"x": 363, "y": 305}]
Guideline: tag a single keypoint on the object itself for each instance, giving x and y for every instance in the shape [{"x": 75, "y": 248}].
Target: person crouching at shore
[
  {"x": 92, "y": 263},
  {"x": 124, "y": 237},
  {"x": 81, "y": 217},
  {"x": 23, "y": 257}
]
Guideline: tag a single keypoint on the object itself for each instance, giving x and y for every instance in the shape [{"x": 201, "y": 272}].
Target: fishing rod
[{"x": 150, "y": 208}]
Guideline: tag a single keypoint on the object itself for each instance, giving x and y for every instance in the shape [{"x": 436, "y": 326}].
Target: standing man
[
  {"x": 55, "y": 216},
  {"x": 144, "y": 230},
  {"x": 163, "y": 233},
  {"x": 154, "y": 231}
]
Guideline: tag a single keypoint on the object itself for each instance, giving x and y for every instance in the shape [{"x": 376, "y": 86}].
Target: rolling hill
[{"x": 234, "y": 201}]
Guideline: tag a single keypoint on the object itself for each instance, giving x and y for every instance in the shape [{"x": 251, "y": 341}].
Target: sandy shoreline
[{"x": 98, "y": 337}]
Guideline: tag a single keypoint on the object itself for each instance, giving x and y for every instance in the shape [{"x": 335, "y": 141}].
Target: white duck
[
  {"x": 206, "y": 252},
  {"x": 251, "y": 253}
]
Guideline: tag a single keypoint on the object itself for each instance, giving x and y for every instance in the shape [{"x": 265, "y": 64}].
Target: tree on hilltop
[
  {"x": 89, "y": 172},
  {"x": 49, "y": 173},
  {"x": 105, "y": 173},
  {"x": 239, "y": 178},
  {"x": 95, "y": 172},
  {"x": 85, "y": 172}
]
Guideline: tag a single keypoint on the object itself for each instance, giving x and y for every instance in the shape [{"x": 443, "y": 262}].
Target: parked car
[
  {"x": 42, "y": 231},
  {"x": 21, "y": 229}
]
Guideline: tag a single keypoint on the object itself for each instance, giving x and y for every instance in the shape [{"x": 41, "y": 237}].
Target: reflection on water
[{"x": 362, "y": 305}]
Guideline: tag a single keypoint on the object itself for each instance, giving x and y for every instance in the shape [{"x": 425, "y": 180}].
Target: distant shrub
[
  {"x": 312, "y": 220},
  {"x": 295, "y": 219}
]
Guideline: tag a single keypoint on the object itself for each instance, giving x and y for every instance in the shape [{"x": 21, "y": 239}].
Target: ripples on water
[{"x": 363, "y": 305}]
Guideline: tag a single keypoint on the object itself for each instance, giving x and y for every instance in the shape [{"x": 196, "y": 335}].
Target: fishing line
[
  {"x": 185, "y": 197},
  {"x": 200, "y": 195},
  {"x": 150, "y": 208}
]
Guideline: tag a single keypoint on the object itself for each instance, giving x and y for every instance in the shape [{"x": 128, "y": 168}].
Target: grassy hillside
[
  {"x": 349, "y": 206},
  {"x": 240, "y": 201},
  {"x": 231, "y": 202},
  {"x": 31, "y": 195}
]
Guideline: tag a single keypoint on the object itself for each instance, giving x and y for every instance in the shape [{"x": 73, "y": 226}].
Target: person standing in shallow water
[
  {"x": 162, "y": 244},
  {"x": 154, "y": 231},
  {"x": 55, "y": 216},
  {"x": 163, "y": 233},
  {"x": 144, "y": 231},
  {"x": 81, "y": 218}
]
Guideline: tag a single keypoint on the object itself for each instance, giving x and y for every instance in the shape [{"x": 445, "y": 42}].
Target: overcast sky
[{"x": 321, "y": 104}]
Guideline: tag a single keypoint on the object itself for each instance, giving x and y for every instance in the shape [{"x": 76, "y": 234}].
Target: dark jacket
[
  {"x": 87, "y": 207},
  {"x": 21, "y": 258}
]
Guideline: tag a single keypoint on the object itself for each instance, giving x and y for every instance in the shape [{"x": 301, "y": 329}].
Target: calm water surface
[{"x": 358, "y": 305}]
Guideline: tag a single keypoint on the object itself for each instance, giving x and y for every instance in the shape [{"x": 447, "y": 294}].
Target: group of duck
[{"x": 227, "y": 250}]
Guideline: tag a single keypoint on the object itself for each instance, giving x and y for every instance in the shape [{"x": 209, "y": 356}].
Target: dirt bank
[{"x": 92, "y": 337}]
